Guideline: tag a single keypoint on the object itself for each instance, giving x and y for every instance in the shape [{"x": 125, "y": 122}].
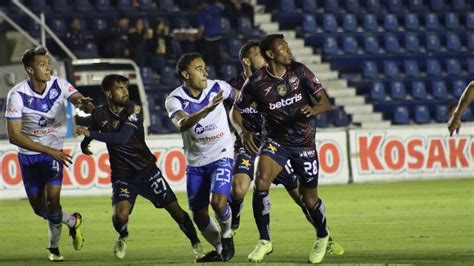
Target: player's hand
[
  {"x": 218, "y": 99},
  {"x": 308, "y": 111},
  {"x": 82, "y": 131},
  {"x": 61, "y": 156},
  {"x": 85, "y": 148},
  {"x": 248, "y": 140},
  {"x": 85, "y": 104},
  {"x": 454, "y": 124}
]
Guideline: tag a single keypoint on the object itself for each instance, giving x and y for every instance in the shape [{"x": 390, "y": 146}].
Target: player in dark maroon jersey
[
  {"x": 282, "y": 92},
  {"x": 119, "y": 123}
]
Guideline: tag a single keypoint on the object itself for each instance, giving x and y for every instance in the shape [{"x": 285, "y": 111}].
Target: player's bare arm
[
  {"x": 247, "y": 137},
  {"x": 17, "y": 138},
  {"x": 322, "y": 105},
  {"x": 454, "y": 123},
  {"x": 83, "y": 103},
  {"x": 184, "y": 121}
]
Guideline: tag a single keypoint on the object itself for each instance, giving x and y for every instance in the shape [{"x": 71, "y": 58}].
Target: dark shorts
[
  {"x": 244, "y": 164},
  {"x": 304, "y": 161},
  {"x": 152, "y": 186},
  {"x": 38, "y": 171}
]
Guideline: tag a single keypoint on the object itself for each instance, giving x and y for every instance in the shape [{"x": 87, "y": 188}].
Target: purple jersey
[{"x": 279, "y": 100}]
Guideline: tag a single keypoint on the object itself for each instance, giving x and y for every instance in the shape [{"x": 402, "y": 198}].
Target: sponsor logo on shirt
[
  {"x": 213, "y": 138},
  {"x": 249, "y": 110},
  {"x": 285, "y": 102},
  {"x": 199, "y": 129},
  {"x": 49, "y": 130},
  {"x": 42, "y": 122}
]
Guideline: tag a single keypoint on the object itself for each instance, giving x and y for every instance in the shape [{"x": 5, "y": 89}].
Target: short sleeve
[
  {"x": 228, "y": 90},
  {"x": 310, "y": 81},
  {"x": 246, "y": 97},
  {"x": 173, "y": 106},
  {"x": 67, "y": 88},
  {"x": 14, "y": 106},
  {"x": 135, "y": 117}
]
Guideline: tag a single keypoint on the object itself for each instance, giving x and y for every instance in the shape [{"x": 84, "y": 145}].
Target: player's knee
[
  {"x": 309, "y": 200},
  {"x": 238, "y": 191},
  {"x": 40, "y": 212},
  {"x": 121, "y": 216},
  {"x": 218, "y": 204}
]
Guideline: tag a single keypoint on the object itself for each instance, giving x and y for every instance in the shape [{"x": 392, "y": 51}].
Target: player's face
[
  {"x": 197, "y": 74},
  {"x": 40, "y": 70},
  {"x": 282, "y": 52},
  {"x": 119, "y": 94},
  {"x": 256, "y": 59}
]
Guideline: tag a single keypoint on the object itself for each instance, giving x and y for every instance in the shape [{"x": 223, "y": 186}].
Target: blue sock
[{"x": 261, "y": 212}]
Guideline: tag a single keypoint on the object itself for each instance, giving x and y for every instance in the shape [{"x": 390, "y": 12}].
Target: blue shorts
[
  {"x": 213, "y": 178},
  {"x": 245, "y": 163},
  {"x": 152, "y": 186},
  {"x": 38, "y": 171},
  {"x": 304, "y": 161}
]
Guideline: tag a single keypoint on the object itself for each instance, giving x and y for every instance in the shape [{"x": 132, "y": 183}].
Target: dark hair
[
  {"x": 184, "y": 62},
  {"x": 109, "y": 80},
  {"x": 245, "y": 49},
  {"x": 267, "y": 42},
  {"x": 29, "y": 56}
]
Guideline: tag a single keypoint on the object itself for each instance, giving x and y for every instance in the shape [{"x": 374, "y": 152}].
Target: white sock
[
  {"x": 69, "y": 220},
  {"x": 211, "y": 234},
  {"x": 225, "y": 222},
  {"x": 54, "y": 233}
]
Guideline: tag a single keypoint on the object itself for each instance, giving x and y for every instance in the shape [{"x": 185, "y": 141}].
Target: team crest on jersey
[
  {"x": 53, "y": 93},
  {"x": 115, "y": 124},
  {"x": 137, "y": 109},
  {"x": 282, "y": 90},
  {"x": 254, "y": 105},
  {"x": 42, "y": 122}
]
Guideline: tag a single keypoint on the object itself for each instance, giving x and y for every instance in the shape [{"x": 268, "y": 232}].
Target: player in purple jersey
[
  {"x": 36, "y": 123},
  {"x": 249, "y": 122},
  {"x": 119, "y": 123},
  {"x": 282, "y": 92}
]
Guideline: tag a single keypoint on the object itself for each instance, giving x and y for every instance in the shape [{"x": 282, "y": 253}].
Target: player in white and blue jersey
[
  {"x": 196, "y": 109},
  {"x": 37, "y": 124}
]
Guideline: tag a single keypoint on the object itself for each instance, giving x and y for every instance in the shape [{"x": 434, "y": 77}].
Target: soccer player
[
  {"x": 454, "y": 123},
  {"x": 196, "y": 109},
  {"x": 119, "y": 123},
  {"x": 250, "y": 122},
  {"x": 37, "y": 124},
  {"x": 282, "y": 92}
]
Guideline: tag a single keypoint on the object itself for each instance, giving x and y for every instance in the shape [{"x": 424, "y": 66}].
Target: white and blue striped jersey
[
  {"x": 43, "y": 115},
  {"x": 210, "y": 139}
]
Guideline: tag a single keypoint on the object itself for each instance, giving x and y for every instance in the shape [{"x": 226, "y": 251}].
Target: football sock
[
  {"x": 261, "y": 212},
  {"x": 188, "y": 229},
  {"x": 225, "y": 221},
  {"x": 318, "y": 215},
  {"x": 211, "y": 233},
  {"x": 54, "y": 226},
  {"x": 236, "y": 205},
  {"x": 69, "y": 220},
  {"x": 120, "y": 227}
]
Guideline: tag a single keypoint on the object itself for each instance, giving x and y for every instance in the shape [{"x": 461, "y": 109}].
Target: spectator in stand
[
  {"x": 75, "y": 38},
  {"x": 238, "y": 8},
  {"x": 137, "y": 42},
  {"x": 117, "y": 42},
  {"x": 209, "y": 29},
  {"x": 160, "y": 45}
]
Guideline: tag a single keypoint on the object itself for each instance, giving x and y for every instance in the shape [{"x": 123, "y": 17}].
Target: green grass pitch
[{"x": 430, "y": 222}]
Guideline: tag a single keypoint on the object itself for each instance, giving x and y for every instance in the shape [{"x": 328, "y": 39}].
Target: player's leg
[
  {"x": 221, "y": 182},
  {"x": 123, "y": 198}
]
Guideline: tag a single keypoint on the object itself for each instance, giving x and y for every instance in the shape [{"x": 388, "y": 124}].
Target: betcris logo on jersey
[
  {"x": 285, "y": 102},
  {"x": 199, "y": 129}
]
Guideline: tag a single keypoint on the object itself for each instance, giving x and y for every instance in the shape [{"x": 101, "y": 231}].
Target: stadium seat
[
  {"x": 322, "y": 120},
  {"x": 340, "y": 118},
  {"x": 90, "y": 51},
  {"x": 453, "y": 67},
  {"x": 349, "y": 45},
  {"x": 166, "y": 5},
  {"x": 391, "y": 44},
  {"x": 422, "y": 114},
  {"x": 470, "y": 40},
  {"x": 103, "y": 6},
  {"x": 244, "y": 25},
  {"x": 390, "y": 69},
  {"x": 309, "y": 24},
  {"x": 125, "y": 5},
  {"x": 437, "y": 5},
  {"x": 451, "y": 21},
  {"x": 329, "y": 23},
  {"x": 433, "y": 43},
  {"x": 309, "y": 6},
  {"x": 168, "y": 76},
  {"x": 412, "y": 43},
  {"x": 82, "y": 5},
  {"x": 34, "y": 29},
  {"x": 233, "y": 47},
  {"x": 458, "y": 88},
  {"x": 395, "y": 6},
  {"x": 349, "y": 23},
  {"x": 453, "y": 43},
  {"x": 377, "y": 92},
  {"x": 458, "y": 5},
  {"x": 441, "y": 113},
  {"x": 416, "y": 5},
  {"x": 147, "y": 5},
  {"x": 156, "y": 123},
  {"x": 432, "y": 22},
  {"x": 433, "y": 67},
  {"x": 401, "y": 115},
  {"x": 147, "y": 76},
  {"x": 58, "y": 27},
  {"x": 287, "y": 6},
  {"x": 418, "y": 90},
  {"x": 439, "y": 90},
  {"x": 331, "y": 6},
  {"x": 38, "y": 6},
  {"x": 470, "y": 65},
  {"x": 228, "y": 71},
  {"x": 411, "y": 68},
  {"x": 397, "y": 90},
  {"x": 61, "y": 6},
  {"x": 370, "y": 70},
  {"x": 330, "y": 46},
  {"x": 411, "y": 22},
  {"x": 467, "y": 115},
  {"x": 352, "y": 6},
  {"x": 98, "y": 25},
  {"x": 371, "y": 45},
  {"x": 180, "y": 22},
  {"x": 390, "y": 22},
  {"x": 211, "y": 71},
  {"x": 373, "y": 6},
  {"x": 470, "y": 21},
  {"x": 370, "y": 23},
  {"x": 225, "y": 25}
]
